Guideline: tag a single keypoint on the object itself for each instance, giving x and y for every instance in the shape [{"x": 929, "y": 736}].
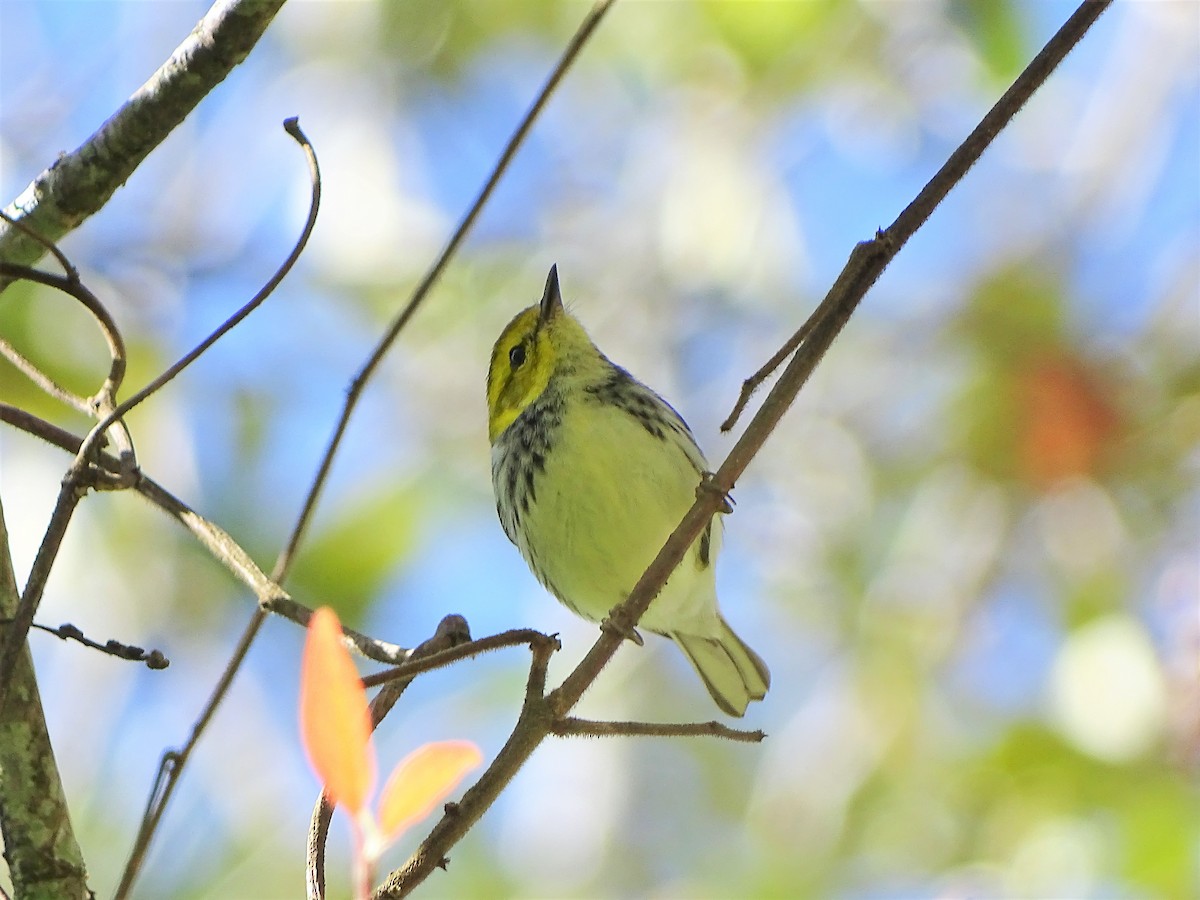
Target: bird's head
[{"x": 538, "y": 343}]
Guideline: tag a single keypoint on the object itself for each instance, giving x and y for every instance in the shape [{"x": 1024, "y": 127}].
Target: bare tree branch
[
  {"x": 173, "y": 763},
  {"x": 44, "y": 859},
  {"x": 532, "y": 726},
  {"x": 79, "y": 183},
  {"x": 541, "y": 715},
  {"x": 573, "y": 727}
]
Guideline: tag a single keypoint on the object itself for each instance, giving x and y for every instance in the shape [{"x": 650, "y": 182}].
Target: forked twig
[
  {"x": 867, "y": 261},
  {"x": 102, "y": 402},
  {"x": 70, "y": 285},
  {"x": 75, "y": 288},
  {"x": 25, "y": 366}
]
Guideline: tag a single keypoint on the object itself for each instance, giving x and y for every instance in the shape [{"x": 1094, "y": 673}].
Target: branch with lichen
[{"x": 79, "y": 183}]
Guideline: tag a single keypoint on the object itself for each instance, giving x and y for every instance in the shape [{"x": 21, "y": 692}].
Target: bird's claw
[
  {"x": 706, "y": 485},
  {"x": 626, "y": 631}
]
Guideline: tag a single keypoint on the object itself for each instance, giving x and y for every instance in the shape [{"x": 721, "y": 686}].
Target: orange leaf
[
  {"x": 1069, "y": 420},
  {"x": 422, "y": 780},
  {"x": 334, "y": 722}
]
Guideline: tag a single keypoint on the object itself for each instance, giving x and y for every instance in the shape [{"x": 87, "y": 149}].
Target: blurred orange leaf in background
[
  {"x": 1068, "y": 420},
  {"x": 334, "y": 722},
  {"x": 421, "y": 780}
]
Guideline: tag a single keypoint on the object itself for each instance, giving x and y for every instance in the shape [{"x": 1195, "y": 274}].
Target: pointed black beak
[{"x": 551, "y": 297}]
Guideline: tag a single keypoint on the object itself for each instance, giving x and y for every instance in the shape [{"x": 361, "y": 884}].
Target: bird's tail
[{"x": 733, "y": 673}]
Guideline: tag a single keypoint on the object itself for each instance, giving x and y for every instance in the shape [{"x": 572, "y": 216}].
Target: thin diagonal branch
[
  {"x": 531, "y": 728},
  {"x": 951, "y": 173},
  {"x": 174, "y": 762},
  {"x": 218, "y": 542},
  {"x": 154, "y": 659},
  {"x": 576, "y": 44},
  {"x": 43, "y": 381},
  {"x": 752, "y": 384}
]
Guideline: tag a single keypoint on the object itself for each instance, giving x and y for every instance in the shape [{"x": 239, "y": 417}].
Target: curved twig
[
  {"x": 72, "y": 287},
  {"x": 103, "y": 401},
  {"x": 292, "y": 127},
  {"x": 82, "y": 474}
]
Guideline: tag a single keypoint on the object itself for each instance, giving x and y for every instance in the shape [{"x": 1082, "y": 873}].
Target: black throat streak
[{"x": 522, "y": 458}]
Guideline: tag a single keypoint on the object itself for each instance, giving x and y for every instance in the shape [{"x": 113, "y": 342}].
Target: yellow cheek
[
  {"x": 511, "y": 400},
  {"x": 499, "y": 423},
  {"x": 521, "y": 392}
]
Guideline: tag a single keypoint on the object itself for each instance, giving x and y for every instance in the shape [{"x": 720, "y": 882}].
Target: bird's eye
[{"x": 516, "y": 356}]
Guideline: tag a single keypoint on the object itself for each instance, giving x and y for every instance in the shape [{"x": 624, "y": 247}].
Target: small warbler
[{"x": 592, "y": 471}]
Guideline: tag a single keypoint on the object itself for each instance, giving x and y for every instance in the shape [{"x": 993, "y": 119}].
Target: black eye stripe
[{"x": 516, "y": 356}]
